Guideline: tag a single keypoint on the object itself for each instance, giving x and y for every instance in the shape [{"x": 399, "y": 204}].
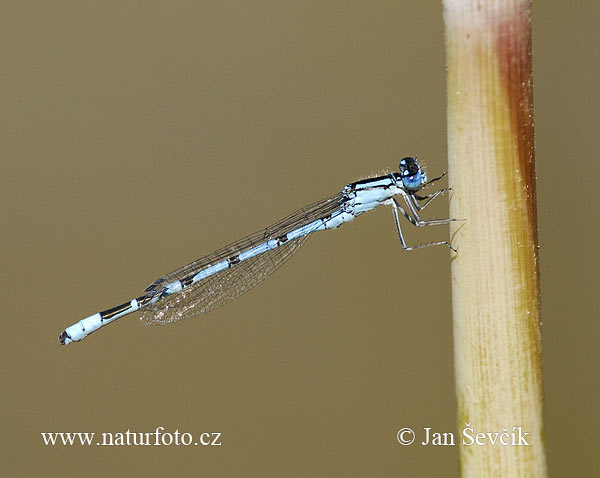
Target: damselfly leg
[{"x": 415, "y": 219}]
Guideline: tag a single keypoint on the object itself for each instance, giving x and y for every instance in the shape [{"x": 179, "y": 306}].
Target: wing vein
[{"x": 222, "y": 287}]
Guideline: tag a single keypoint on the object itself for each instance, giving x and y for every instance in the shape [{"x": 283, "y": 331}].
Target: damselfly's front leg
[
  {"x": 395, "y": 209},
  {"x": 434, "y": 180},
  {"x": 428, "y": 198},
  {"x": 414, "y": 217}
]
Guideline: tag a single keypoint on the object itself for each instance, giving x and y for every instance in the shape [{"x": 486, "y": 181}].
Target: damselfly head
[{"x": 413, "y": 176}]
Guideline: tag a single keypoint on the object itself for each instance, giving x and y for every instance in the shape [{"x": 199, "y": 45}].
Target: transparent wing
[{"x": 218, "y": 289}]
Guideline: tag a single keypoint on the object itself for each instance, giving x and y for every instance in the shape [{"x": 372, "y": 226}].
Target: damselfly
[{"x": 214, "y": 280}]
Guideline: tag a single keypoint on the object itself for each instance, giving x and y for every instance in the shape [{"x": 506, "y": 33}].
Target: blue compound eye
[
  {"x": 412, "y": 182},
  {"x": 413, "y": 177}
]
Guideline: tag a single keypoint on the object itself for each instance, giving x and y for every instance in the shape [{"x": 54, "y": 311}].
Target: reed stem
[{"x": 495, "y": 273}]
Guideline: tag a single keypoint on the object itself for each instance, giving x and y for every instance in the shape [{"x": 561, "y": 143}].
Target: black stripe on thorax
[{"x": 371, "y": 180}]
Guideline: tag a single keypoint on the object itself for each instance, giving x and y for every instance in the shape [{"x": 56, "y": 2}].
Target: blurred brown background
[{"x": 137, "y": 136}]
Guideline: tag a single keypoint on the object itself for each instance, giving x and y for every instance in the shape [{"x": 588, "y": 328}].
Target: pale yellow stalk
[{"x": 495, "y": 274}]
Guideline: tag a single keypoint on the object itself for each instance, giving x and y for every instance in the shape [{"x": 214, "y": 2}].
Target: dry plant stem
[{"x": 495, "y": 275}]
